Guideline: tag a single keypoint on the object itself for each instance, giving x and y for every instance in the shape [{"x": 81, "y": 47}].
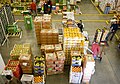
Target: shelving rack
[
  {"x": 6, "y": 18},
  {"x": 3, "y": 27},
  {"x": 9, "y": 16}
]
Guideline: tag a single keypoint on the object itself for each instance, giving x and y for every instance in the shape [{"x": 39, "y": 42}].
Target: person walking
[
  {"x": 113, "y": 29},
  {"x": 107, "y": 8},
  {"x": 80, "y": 25},
  {"x": 33, "y": 8}
]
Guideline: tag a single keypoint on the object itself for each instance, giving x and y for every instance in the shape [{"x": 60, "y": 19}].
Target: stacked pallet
[
  {"x": 54, "y": 58},
  {"x": 15, "y": 67},
  {"x": 76, "y": 68},
  {"x": 41, "y": 22},
  {"x": 89, "y": 68},
  {"x": 49, "y": 36},
  {"x": 38, "y": 26},
  {"x": 39, "y": 69},
  {"x": 73, "y": 40}
]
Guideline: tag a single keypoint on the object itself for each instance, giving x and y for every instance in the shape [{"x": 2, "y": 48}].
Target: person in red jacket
[
  {"x": 95, "y": 49},
  {"x": 33, "y": 8}
]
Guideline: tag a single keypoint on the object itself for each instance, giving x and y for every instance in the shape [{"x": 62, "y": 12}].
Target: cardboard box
[{"x": 50, "y": 56}]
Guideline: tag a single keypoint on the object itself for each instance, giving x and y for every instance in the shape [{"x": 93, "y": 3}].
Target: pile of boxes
[
  {"x": 38, "y": 27},
  {"x": 73, "y": 40},
  {"x": 89, "y": 68},
  {"x": 23, "y": 53},
  {"x": 26, "y": 63},
  {"x": 54, "y": 59},
  {"x": 49, "y": 36},
  {"x": 41, "y": 22},
  {"x": 46, "y": 22},
  {"x": 76, "y": 68},
  {"x": 15, "y": 67}
]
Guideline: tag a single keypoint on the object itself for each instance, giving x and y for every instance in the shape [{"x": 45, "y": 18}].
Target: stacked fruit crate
[
  {"x": 38, "y": 26},
  {"x": 15, "y": 67},
  {"x": 20, "y": 49},
  {"x": 76, "y": 68},
  {"x": 49, "y": 36},
  {"x": 39, "y": 69},
  {"x": 73, "y": 40},
  {"x": 15, "y": 52}
]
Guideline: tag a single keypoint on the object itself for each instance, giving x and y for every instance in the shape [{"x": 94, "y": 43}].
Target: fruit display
[
  {"x": 39, "y": 80},
  {"x": 13, "y": 63},
  {"x": 39, "y": 58},
  {"x": 39, "y": 69}
]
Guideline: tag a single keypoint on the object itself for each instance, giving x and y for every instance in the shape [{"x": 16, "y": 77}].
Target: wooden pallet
[{"x": 17, "y": 34}]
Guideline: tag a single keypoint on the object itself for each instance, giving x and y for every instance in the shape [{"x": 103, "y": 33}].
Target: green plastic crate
[{"x": 28, "y": 22}]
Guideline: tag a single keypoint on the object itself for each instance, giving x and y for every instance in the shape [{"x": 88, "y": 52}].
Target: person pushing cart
[{"x": 96, "y": 51}]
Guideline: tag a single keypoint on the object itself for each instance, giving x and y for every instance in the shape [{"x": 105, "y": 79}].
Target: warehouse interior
[{"x": 106, "y": 71}]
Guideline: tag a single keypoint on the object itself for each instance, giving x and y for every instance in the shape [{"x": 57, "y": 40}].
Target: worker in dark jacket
[
  {"x": 80, "y": 25},
  {"x": 49, "y": 6},
  {"x": 113, "y": 29}
]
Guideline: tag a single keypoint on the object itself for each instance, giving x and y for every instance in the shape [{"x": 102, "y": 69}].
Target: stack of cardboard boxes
[
  {"x": 41, "y": 22},
  {"x": 46, "y": 23},
  {"x": 38, "y": 26},
  {"x": 54, "y": 59},
  {"x": 49, "y": 36}
]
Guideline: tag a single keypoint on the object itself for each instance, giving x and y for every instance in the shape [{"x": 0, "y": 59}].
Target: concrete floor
[{"x": 107, "y": 71}]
